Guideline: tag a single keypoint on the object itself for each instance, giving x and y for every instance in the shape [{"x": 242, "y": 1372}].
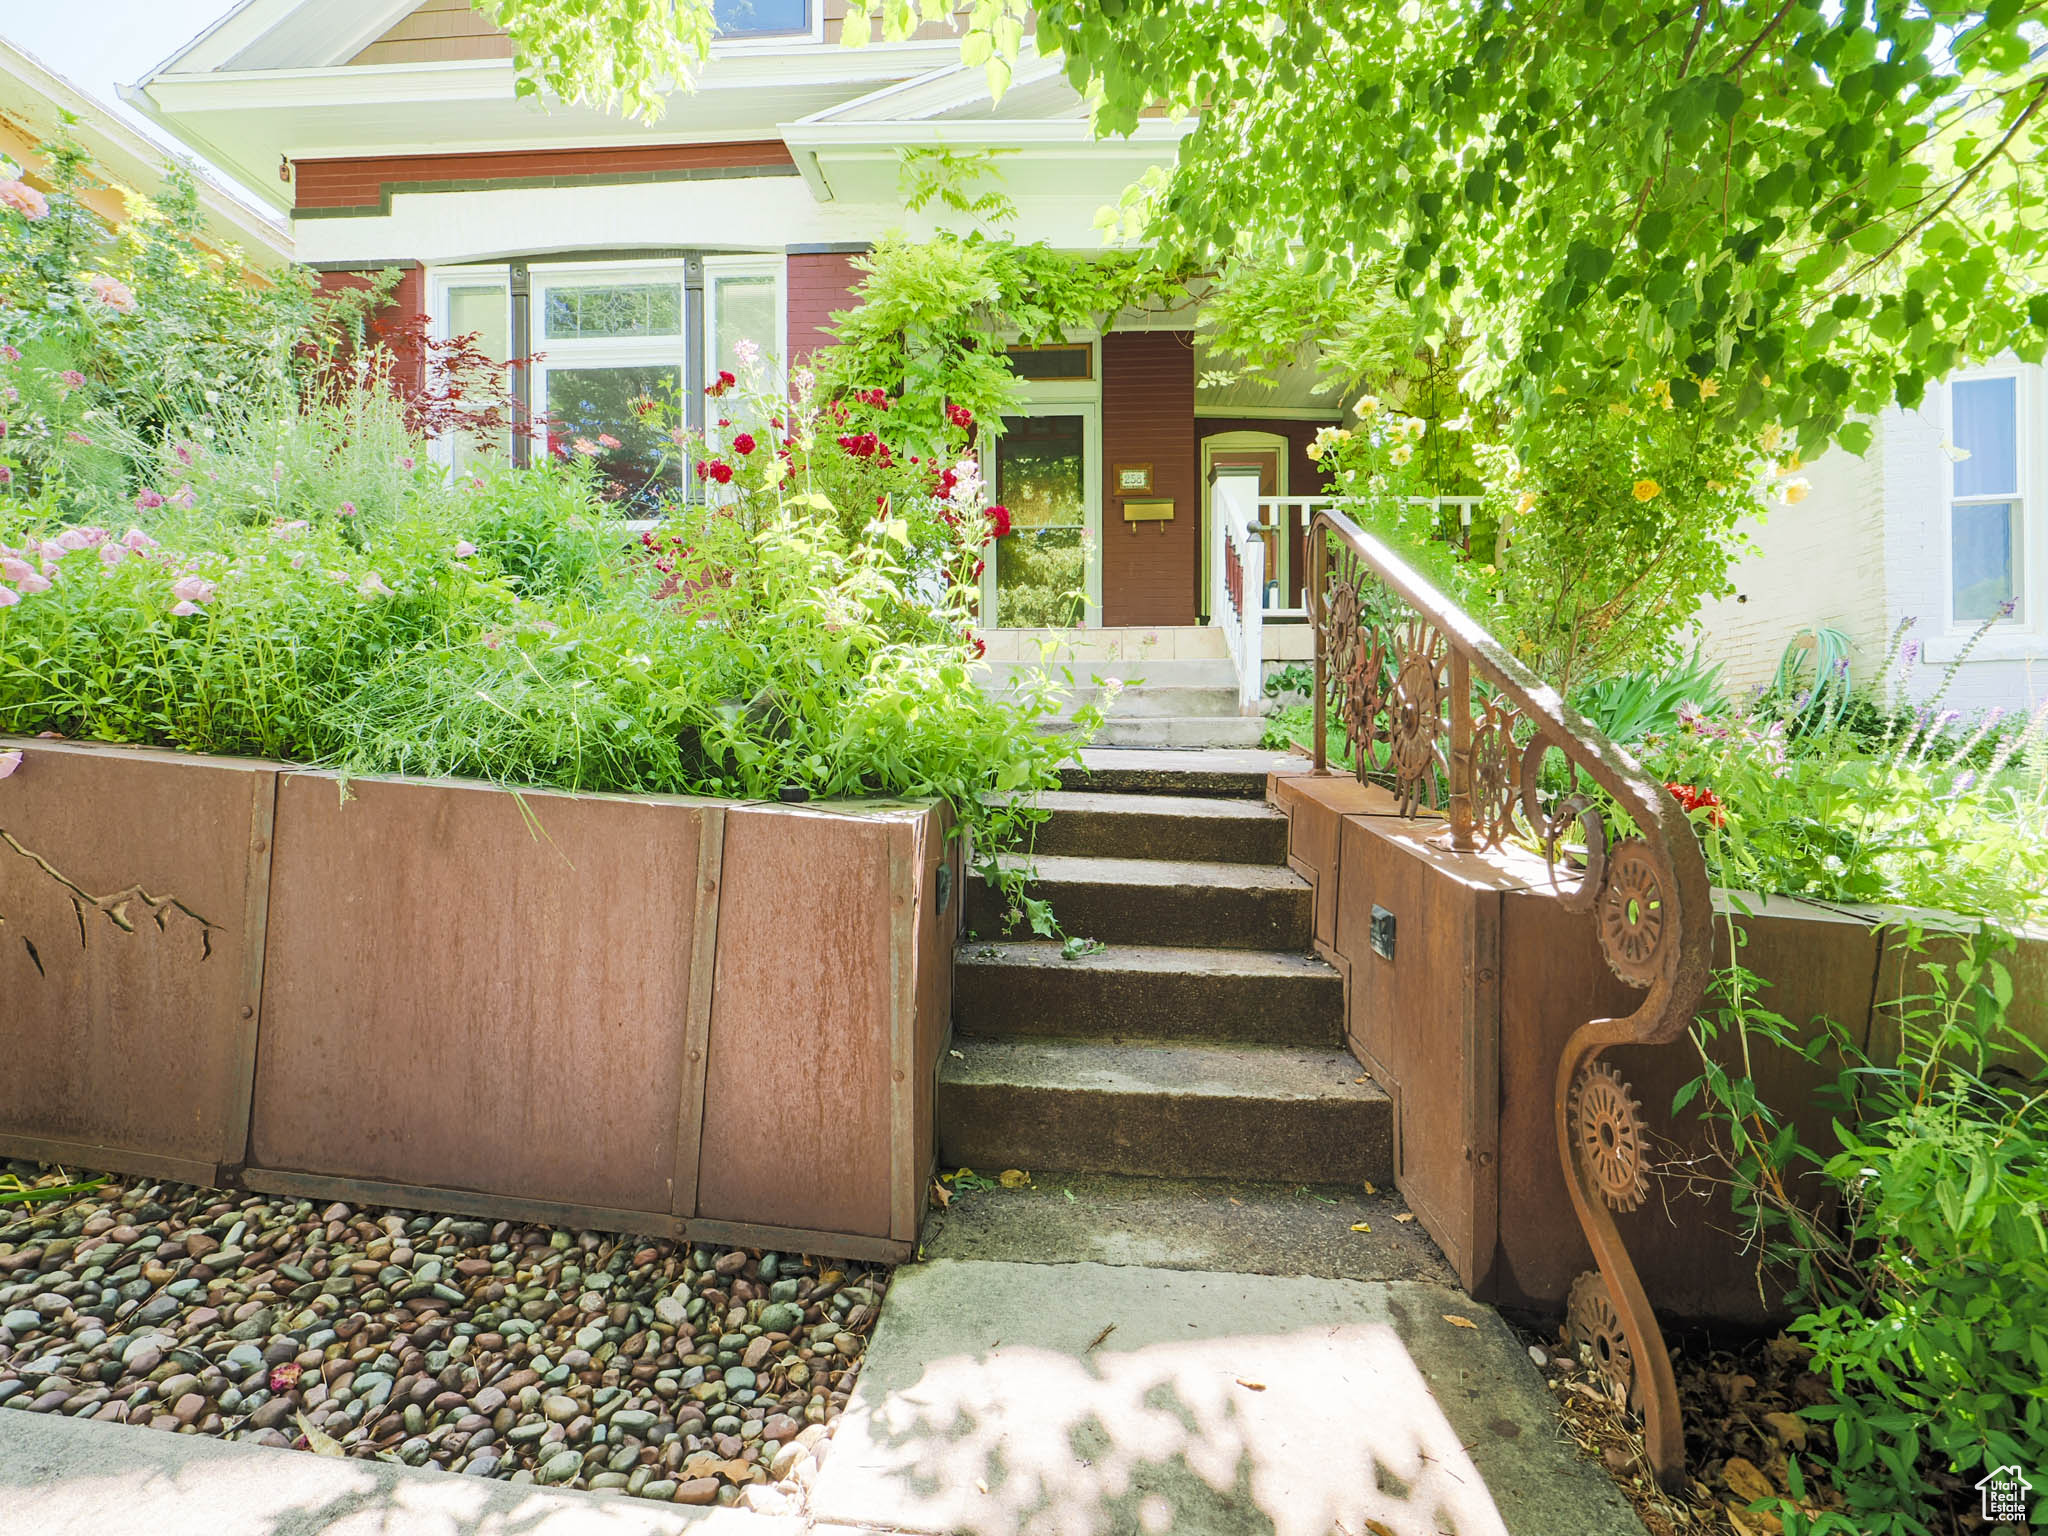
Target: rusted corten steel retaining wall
[
  {"x": 1489, "y": 975},
  {"x": 642, "y": 1013}
]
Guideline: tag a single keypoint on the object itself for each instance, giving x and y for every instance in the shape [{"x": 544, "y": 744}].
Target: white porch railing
[{"x": 1237, "y": 573}]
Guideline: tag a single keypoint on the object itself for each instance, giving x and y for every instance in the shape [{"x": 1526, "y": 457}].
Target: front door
[{"x": 1047, "y": 573}]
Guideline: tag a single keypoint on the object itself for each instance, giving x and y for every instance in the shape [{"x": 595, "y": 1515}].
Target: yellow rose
[
  {"x": 1791, "y": 464},
  {"x": 1648, "y": 490},
  {"x": 1402, "y": 453},
  {"x": 1771, "y": 437},
  {"x": 1315, "y": 450},
  {"x": 1794, "y": 491},
  {"x": 1525, "y": 501},
  {"x": 1367, "y": 405}
]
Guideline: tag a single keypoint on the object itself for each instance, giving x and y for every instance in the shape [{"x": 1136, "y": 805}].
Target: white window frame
[
  {"x": 440, "y": 281},
  {"x": 2030, "y": 543},
  {"x": 775, "y": 268},
  {"x": 568, "y": 355}
]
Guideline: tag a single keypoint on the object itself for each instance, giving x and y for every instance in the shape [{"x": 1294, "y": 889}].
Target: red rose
[
  {"x": 980, "y": 647},
  {"x": 743, "y": 444},
  {"x": 960, "y": 416},
  {"x": 721, "y": 471},
  {"x": 999, "y": 522},
  {"x": 726, "y": 380},
  {"x": 979, "y": 567}
]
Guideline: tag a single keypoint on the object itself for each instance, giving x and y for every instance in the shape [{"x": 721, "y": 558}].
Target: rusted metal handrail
[{"x": 1406, "y": 703}]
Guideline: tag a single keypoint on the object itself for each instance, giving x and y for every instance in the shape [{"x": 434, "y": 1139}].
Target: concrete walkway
[{"x": 1160, "y": 1386}]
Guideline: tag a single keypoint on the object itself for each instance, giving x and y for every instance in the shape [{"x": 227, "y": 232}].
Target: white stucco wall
[{"x": 1818, "y": 563}]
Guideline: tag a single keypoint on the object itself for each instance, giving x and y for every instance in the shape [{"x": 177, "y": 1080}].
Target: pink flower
[
  {"x": 286, "y": 530},
  {"x": 346, "y": 509},
  {"x": 186, "y": 499},
  {"x": 193, "y": 589},
  {"x": 9, "y": 763},
  {"x": 148, "y": 500},
  {"x": 79, "y": 438},
  {"x": 15, "y": 569},
  {"x": 492, "y": 640},
  {"x": 301, "y": 559},
  {"x": 72, "y": 378},
  {"x": 184, "y": 609},
  {"x": 585, "y": 446},
  {"x": 6, "y": 475},
  {"x": 113, "y": 293},
  {"x": 112, "y": 555},
  {"x": 340, "y": 578},
  {"x": 31, "y": 584},
  {"x": 9, "y": 597},
  {"x": 137, "y": 540},
  {"x": 73, "y": 538},
  {"x": 464, "y": 549},
  {"x": 606, "y": 440},
  {"x": 372, "y": 585},
  {"x": 24, "y": 200},
  {"x": 9, "y": 353},
  {"x": 407, "y": 462}
]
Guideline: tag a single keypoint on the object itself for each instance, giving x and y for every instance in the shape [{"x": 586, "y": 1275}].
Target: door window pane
[
  {"x": 610, "y": 310},
  {"x": 744, "y": 311},
  {"x": 482, "y": 310},
  {"x": 590, "y": 403},
  {"x": 1041, "y": 476},
  {"x": 1986, "y": 427},
  {"x": 742, "y": 18},
  {"x": 1984, "y": 558}
]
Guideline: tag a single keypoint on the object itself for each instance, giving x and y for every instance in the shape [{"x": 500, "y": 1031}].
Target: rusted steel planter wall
[
  {"x": 642, "y": 1013},
  {"x": 1489, "y": 977}
]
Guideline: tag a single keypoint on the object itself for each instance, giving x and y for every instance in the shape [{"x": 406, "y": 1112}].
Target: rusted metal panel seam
[
  {"x": 845, "y": 1245},
  {"x": 1482, "y": 1090},
  {"x": 697, "y": 1019},
  {"x": 94, "y": 1156},
  {"x": 255, "y": 936},
  {"x": 904, "y": 874}
]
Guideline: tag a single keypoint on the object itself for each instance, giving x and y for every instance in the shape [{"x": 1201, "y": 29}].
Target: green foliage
[
  {"x": 1628, "y": 707},
  {"x": 933, "y": 319},
  {"x": 951, "y": 177},
  {"x": 164, "y": 329},
  {"x": 1788, "y": 213},
  {"x": 623, "y": 54},
  {"x": 1927, "y": 1306}
]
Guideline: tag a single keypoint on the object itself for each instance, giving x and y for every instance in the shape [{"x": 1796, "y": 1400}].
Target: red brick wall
[
  {"x": 1303, "y": 477},
  {"x": 360, "y": 181},
  {"x": 819, "y": 283},
  {"x": 1149, "y": 570},
  {"x": 407, "y": 300}
]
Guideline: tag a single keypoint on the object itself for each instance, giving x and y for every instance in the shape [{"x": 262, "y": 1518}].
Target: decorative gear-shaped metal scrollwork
[
  {"x": 1415, "y": 715},
  {"x": 1592, "y": 1325},
  {"x": 1607, "y": 1125},
  {"x": 1632, "y": 926},
  {"x": 1494, "y": 772},
  {"x": 1550, "y": 823}
]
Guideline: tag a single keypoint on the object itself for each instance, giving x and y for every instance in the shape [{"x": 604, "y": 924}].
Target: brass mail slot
[{"x": 1148, "y": 511}]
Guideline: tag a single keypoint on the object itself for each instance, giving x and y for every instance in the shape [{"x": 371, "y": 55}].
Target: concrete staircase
[
  {"x": 1204, "y": 1041},
  {"x": 1179, "y": 688}
]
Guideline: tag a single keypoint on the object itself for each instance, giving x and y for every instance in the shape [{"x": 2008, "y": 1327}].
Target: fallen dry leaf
[
  {"x": 1254, "y": 1386},
  {"x": 1405, "y": 1216},
  {"x": 1380, "y": 1528},
  {"x": 1014, "y": 1178},
  {"x": 1092, "y": 1343},
  {"x": 1745, "y": 1481},
  {"x": 981, "y": 1485},
  {"x": 1459, "y": 1322},
  {"x": 1789, "y": 1428},
  {"x": 941, "y": 1196},
  {"x": 318, "y": 1441},
  {"x": 1371, "y": 1188},
  {"x": 1233, "y": 1200},
  {"x": 1361, "y": 1226}
]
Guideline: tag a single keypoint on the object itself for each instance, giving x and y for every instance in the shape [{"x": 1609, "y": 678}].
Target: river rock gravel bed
[{"x": 492, "y": 1348}]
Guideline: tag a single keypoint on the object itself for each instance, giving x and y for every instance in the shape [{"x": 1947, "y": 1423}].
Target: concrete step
[
  {"x": 1228, "y": 1225},
  {"x": 1196, "y": 732},
  {"x": 1147, "y": 992},
  {"x": 1177, "y": 1111},
  {"x": 1142, "y": 702},
  {"x": 1160, "y": 901},
  {"x": 1204, "y": 771},
  {"x": 1158, "y": 672},
  {"x": 1221, "y": 831},
  {"x": 1167, "y": 641}
]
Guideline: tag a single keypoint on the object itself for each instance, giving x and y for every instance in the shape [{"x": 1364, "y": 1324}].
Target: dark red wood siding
[
  {"x": 1149, "y": 570},
  {"x": 407, "y": 300},
  {"x": 360, "y": 181}
]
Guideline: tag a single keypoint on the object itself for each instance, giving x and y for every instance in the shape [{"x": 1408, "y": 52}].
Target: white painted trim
[
  {"x": 438, "y": 282},
  {"x": 1268, "y": 413}
]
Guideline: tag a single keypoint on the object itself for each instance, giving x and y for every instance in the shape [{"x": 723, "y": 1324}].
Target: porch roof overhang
[{"x": 245, "y": 120}]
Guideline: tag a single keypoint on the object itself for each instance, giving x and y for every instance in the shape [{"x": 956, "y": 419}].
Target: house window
[
  {"x": 610, "y": 340},
  {"x": 478, "y": 304},
  {"x": 1988, "y": 505},
  {"x": 1065, "y": 361},
  {"x": 761, "y": 18},
  {"x": 744, "y": 311}
]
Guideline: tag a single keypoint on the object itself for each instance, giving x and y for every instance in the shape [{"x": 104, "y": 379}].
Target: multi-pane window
[
  {"x": 478, "y": 305},
  {"x": 612, "y": 341},
  {"x": 1988, "y": 504}
]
